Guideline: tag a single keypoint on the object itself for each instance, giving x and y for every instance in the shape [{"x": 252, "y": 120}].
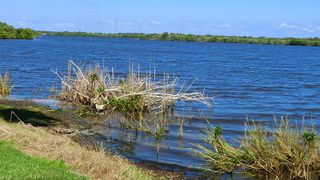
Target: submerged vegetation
[
  {"x": 286, "y": 152},
  {"x": 9, "y": 32},
  {"x": 5, "y": 88},
  {"x": 197, "y": 38},
  {"x": 135, "y": 94}
]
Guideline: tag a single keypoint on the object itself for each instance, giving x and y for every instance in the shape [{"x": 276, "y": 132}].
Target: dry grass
[
  {"x": 5, "y": 88},
  {"x": 137, "y": 93},
  {"x": 288, "y": 152},
  {"x": 94, "y": 164}
]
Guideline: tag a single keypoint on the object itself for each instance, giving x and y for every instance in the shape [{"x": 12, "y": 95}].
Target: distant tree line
[
  {"x": 196, "y": 38},
  {"x": 9, "y": 32}
]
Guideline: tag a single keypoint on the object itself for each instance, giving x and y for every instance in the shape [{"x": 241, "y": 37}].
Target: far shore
[{"x": 290, "y": 41}]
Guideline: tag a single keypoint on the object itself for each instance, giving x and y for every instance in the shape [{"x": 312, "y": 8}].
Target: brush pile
[{"x": 136, "y": 93}]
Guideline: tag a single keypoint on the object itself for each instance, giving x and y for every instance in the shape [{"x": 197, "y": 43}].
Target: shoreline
[
  {"x": 64, "y": 132},
  {"x": 289, "y": 41}
]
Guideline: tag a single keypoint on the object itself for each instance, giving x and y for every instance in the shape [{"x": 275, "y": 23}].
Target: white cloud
[
  {"x": 129, "y": 23},
  {"x": 112, "y": 22},
  {"x": 298, "y": 28},
  {"x": 21, "y": 23},
  {"x": 315, "y": 27},
  {"x": 287, "y": 25},
  {"x": 310, "y": 30},
  {"x": 156, "y": 22},
  {"x": 225, "y": 26}
]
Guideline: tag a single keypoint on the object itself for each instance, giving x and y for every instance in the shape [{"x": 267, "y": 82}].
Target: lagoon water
[{"x": 257, "y": 81}]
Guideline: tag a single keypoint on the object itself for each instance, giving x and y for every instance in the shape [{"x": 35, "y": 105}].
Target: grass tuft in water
[
  {"x": 221, "y": 155},
  {"x": 5, "y": 88},
  {"x": 285, "y": 152}
]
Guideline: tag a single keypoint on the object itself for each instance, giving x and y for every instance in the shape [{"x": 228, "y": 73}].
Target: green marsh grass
[{"x": 285, "y": 152}]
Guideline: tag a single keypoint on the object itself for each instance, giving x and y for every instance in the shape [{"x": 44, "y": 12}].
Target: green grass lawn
[{"x": 15, "y": 164}]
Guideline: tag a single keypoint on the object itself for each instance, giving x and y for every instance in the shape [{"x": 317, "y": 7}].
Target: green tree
[
  {"x": 25, "y": 33},
  {"x": 164, "y": 36},
  {"x": 6, "y": 31},
  {"x": 9, "y": 32}
]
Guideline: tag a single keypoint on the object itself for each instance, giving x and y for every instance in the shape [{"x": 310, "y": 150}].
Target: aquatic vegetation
[
  {"x": 221, "y": 155},
  {"x": 5, "y": 88},
  {"x": 135, "y": 93},
  {"x": 159, "y": 132},
  {"x": 286, "y": 152},
  {"x": 129, "y": 104},
  {"x": 83, "y": 111},
  {"x": 181, "y": 124}
]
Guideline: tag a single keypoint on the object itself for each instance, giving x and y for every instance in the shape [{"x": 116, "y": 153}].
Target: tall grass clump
[
  {"x": 5, "y": 88},
  {"x": 289, "y": 152},
  {"x": 135, "y": 93}
]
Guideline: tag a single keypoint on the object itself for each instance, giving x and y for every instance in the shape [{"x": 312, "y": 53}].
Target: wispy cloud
[
  {"x": 225, "y": 25},
  {"x": 287, "y": 25},
  {"x": 156, "y": 22},
  {"x": 305, "y": 28},
  {"x": 130, "y": 23}
]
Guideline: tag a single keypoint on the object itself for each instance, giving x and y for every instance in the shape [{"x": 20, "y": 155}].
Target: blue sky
[{"x": 276, "y": 18}]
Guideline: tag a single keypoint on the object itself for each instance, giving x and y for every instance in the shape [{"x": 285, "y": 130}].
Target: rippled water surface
[{"x": 257, "y": 81}]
